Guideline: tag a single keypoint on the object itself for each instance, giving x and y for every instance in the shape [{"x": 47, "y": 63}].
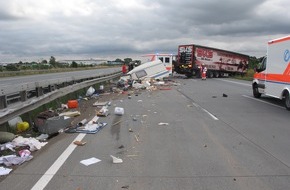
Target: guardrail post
[
  {"x": 3, "y": 102},
  {"x": 51, "y": 87},
  {"x": 39, "y": 91},
  {"x": 23, "y": 96}
]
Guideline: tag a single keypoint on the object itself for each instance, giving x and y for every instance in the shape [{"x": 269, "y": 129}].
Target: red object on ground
[
  {"x": 124, "y": 69},
  {"x": 72, "y": 104}
]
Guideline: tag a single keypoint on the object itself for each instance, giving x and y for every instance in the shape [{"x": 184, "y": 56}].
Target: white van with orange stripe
[{"x": 272, "y": 77}]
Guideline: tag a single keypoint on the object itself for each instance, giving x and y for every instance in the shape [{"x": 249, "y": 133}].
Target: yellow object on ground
[{"x": 22, "y": 126}]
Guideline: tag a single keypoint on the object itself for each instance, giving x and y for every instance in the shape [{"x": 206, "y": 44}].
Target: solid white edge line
[
  {"x": 263, "y": 101},
  {"x": 45, "y": 179},
  {"x": 48, "y": 175},
  {"x": 210, "y": 114}
]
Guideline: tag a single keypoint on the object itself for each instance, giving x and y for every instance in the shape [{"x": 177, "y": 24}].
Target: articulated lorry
[
  {"x": 219, "y": 62},
  {"x": 272, "y": 77}
]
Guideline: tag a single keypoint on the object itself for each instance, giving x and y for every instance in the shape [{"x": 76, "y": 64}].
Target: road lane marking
[
  {"x": 210, "y": 114},
  {"x": 49, "y": 174},
  {"x": 235, "y": 82},
  {"x": 263, "y": 101},
  {"x": 198, "y": 106}
]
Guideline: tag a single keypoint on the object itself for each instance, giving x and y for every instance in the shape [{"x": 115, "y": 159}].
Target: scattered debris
[
  {"x": 79, "y": 143},
  {"x": 89, "y": 128},
  {"x": 224, "y": 95},
  {"x": 104, "y": 112},
  {"x": 130, "y": 130},
  {"x": 51, "y": 125},
  {"x": 4, "y": 171},
  {"x": 163, "y": 124},
  {"x": 100, "y": 104},
  {"x": 70, "y": 113},
  {"x": 125, "y": 187},
  {"x": 72, "y": 104},
  {"x": 83, "y": 122},
  {"x": 119, "y": 111},
  {"x": 117, "y": 160},
  {"x": 6, "y": 137},
  {"x": 90, "y": 161},
  {"x": 42, "y": 137},
  {"x": 136, "y": 138},
  {"x": 90, "y": 91}
]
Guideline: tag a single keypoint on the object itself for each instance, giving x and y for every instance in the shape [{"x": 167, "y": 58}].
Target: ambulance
[{"x": 272, "y": 77}]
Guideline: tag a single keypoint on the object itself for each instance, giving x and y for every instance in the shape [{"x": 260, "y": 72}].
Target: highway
[
  {"x": 43, "y": 77},
  {"x": 198, "y": 135}
]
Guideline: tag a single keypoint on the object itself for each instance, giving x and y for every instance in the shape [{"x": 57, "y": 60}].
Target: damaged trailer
[{"x": 153, "y": 69}]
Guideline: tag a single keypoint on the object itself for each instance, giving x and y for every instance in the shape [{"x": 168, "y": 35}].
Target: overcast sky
[{"x": 74, "y": 29}]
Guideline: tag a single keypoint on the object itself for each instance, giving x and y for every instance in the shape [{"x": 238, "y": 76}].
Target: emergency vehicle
[
  {"x": 272, "y": 77},
  {"x": 167, "y": 59}
]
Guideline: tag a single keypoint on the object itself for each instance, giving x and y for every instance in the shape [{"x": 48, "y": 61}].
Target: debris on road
[
  {"x": 116, "y": 160},
  {"x": 160, "y": 124},
  {"x": 4, "y": 171},
  {"x": 80, "y": 143},
  {"x": 119, "y": 111},
  {"x": 90, "y": 161}
]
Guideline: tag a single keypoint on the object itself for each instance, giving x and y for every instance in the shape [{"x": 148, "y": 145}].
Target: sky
[{"x": 33, "y": 30}]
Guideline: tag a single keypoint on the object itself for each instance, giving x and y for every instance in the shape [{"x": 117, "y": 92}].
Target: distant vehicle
[
  {"x": 218, "y": 62},
  {"x": 272, "y": 77},
  {"x": 167, "y": 59}
]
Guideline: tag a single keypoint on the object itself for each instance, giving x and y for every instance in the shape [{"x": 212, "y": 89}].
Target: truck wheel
[
  {"x": 287, "y": 101},
  {"x": 210, "y": 74},
  {"x": 188, "y": 75},
  {"x": 256, "y": 92}
]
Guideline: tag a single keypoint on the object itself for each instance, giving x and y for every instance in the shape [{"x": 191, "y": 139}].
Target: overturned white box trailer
[{"x": 153, "y": 69}]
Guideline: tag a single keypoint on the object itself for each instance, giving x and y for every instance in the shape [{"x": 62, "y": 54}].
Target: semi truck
[
  {"x": 272, "y": 77},
  {"x": 219, "y": 62}
]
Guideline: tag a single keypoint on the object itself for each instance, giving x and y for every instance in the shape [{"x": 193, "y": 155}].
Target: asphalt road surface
[
  {"x": 43, "y": 77},
  {"x": 199, "y": 135}
]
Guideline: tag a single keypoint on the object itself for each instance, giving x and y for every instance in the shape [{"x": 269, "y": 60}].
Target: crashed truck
[
  {"x": 219, "y": 63},
  {"x": 146, "y": 71}
]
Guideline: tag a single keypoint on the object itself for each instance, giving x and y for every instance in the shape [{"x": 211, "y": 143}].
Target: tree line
[{"x": 53, "y": 63}]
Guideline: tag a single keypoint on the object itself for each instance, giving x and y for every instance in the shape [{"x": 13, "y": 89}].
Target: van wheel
[
  {"x": 256, "y": 92},
  {"x": 287, "y": 101}
]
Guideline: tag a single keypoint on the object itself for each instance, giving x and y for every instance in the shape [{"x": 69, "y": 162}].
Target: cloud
[{"x": 39, "y": 28}]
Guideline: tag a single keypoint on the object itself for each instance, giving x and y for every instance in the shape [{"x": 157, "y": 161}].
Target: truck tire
[
  {"x": 189, "y": 75},
  {"x": 256, "y": 92},
  {"x": 210, "y": 74},
  {"x": 287, "y": 101}
]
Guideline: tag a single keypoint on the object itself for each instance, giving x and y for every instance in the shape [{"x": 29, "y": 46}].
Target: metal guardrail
[{"x": 43, "y": 92}]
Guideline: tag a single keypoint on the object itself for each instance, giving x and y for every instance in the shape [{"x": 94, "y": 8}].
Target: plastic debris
[
  {"x": 4, "y": 171},
  {"x": 117, "y": 160},
  {"x": 42, "y": 137},
  {"x": 119, "y": 111},
  {"x": 90, "y": 161},
  {"x": 24, "y": 153},
  {"x": 163, "y": 124},
  {"x": 90, "y": 91}
]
